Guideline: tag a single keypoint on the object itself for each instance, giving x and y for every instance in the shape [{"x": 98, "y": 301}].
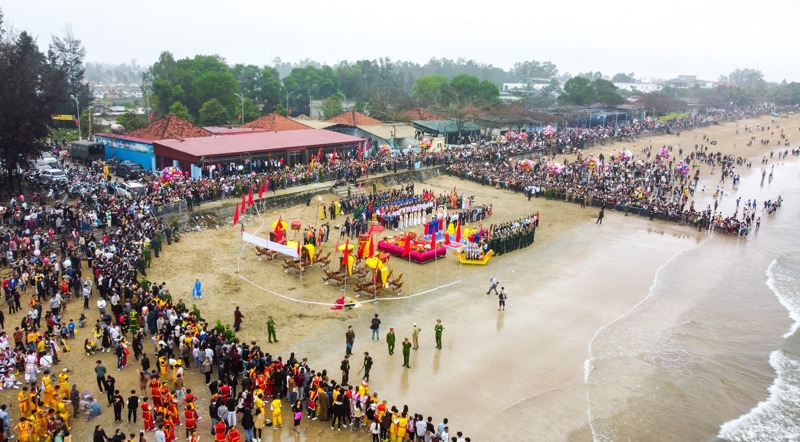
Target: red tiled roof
[
  {"x": 420, "y": 113},
  {"x": 253, "y": 143},
  {"x": 275, "y": 122},
  {"x": 230, "y": 130},
  {"x": 353, "y": 118},
  {"x": 170, "y": 127}
]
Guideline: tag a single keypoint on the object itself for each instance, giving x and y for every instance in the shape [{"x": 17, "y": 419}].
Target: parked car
[
  {"x": 128, "y": 170},
  {"x": 46, "y": 163},
  {"x": 128, "y": 189},
  {"x": 52, "y": 176}
]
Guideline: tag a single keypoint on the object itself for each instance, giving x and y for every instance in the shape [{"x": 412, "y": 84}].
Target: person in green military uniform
[
  {"x": 133, "y": 323},
  {"x": 156, "y": 244},
  {"x": 390, "y": 338},
  {"x": 438, "y": 329},
  {"x": 147, "y": 256},
  {"x": 271, "y": 330},
  {"x": 406, "y": 352}
]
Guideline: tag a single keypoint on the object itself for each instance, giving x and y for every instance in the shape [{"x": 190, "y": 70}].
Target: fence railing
[{"x": 166, "y": 209}]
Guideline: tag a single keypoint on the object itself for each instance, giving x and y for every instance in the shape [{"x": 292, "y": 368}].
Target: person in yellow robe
[
  {"x": 277, "y": 417},
  {"x": 402, "y": 427},
  {"x": 25, "y": 430},
  {"x": 24, "y": 404}
]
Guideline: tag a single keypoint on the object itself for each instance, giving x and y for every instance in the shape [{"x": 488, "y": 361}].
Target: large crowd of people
[{"x": 97, "y": 251}]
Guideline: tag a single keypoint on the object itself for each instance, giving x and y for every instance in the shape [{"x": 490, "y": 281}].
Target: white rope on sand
[{"x": 333, "y": 304}]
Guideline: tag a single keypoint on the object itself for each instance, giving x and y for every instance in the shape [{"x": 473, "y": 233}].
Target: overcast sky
[{"x": 652, "y": 39}]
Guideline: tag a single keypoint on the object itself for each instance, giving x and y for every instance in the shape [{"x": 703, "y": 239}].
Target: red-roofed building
[
  {"x": 290, "y": 146},
  {"x": 275, "y": 122},
  {"x": 137, "y": 145},
  {"x": 353, "y": 118},
  {"x": 419, "y": 113},
  {"x": 168, "y": 127}
]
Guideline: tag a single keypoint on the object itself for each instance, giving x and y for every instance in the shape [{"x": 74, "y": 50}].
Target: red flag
[
  {"x": 319, "y": 154},
  {"x": 236, "y": 215},
  {"x": 333, "y": 157},
  {"x": 360, "y": 151},
  {"x": 260, "y": 190},
  {"x": 371, "y": 247},
  {"x": 346, "y": 251},
  {"x": 250, "y": 197},
  {"x": 433, "y": 242},
  {"x": 458, "y": 231},
  {"x": 298, "y": 249},
  {"x": 244, "y": 205},
  {"x": 446, "y": 239},
  {"x": 407, "y": 248},
  {"x": 454, "y": 190}
]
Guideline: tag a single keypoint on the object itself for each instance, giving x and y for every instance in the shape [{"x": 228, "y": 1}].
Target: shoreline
[{"x": 437, "y": 379}]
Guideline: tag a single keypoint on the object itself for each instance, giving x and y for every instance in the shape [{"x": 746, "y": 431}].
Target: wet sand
[{"x": 500, "y": 375}]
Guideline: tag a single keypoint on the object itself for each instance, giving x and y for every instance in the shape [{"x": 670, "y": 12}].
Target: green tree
[
  {"x": 786, "y": 93},
  {"x": 248, "y": 79},
  {"x": 213, "y": 113},
  {"x": 216, "y": 85},
  {"x": 281, "y": 110},
  {"x": 67, "y": 53},
  {"x": 270, "y": 93},
  {"x": 131, "y": 120},
  {"x": 661, "y": 103},
  {"x": 331, "y": 107},
  {"x": 429, "y": 90},
  {"x": 590, "y": 75},
  {"x": 164, "y": 79},
  {"x": 534, "y": 69},
  {"x": 623, "y": 78},
  {"x": 32, "y": 87},
  {"x": 577, "y": 91},
  {"x": 606, "y": 93},
  {"x": 251, "y": 110},
  {"x": 180, "y": 110},
  {"x": 748, "y": 79}
]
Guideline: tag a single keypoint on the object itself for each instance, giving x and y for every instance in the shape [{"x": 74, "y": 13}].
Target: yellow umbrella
[
  {"x": 341, "y": 247},
  {"x": 283, "y": 224}
]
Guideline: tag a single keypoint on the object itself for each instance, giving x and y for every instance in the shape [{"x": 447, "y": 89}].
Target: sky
[{"x": 706, "y": 38}]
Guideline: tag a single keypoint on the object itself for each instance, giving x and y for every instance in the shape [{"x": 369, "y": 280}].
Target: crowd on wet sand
[
  {"x": 249, "y": 388},
  {"x": 98, "y": 251}
]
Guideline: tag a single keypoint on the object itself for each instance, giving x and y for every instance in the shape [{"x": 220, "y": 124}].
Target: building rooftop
[
  {"x": 170, "y": 127},
  {"x": 258, "y": 142},
  {"x": 275, "y": 122},
  {"x": 353, "y": 118}
]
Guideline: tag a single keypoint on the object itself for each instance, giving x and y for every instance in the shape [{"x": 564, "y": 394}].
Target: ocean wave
[
  {"x": 589, "y": 363},
  {"x": 776, "y": 418}
]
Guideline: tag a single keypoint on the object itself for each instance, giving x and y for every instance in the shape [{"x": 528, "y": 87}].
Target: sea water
[{"x": 711, "y": 352}]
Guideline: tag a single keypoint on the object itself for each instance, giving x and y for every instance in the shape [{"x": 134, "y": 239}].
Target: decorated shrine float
[
  {"x": 479, "y": 260},
  {"x": 408, "y": 245}
]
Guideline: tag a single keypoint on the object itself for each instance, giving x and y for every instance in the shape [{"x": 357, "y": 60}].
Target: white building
[{"x": 644, "y": 88}]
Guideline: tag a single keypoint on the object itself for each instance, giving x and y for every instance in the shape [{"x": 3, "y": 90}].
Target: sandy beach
[{"x": 514, "y": 375}]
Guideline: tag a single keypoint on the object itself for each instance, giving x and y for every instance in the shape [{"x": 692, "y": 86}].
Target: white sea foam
[
  {"x": 588, "y": 365},
  {"x": 775, "y": 418}
]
